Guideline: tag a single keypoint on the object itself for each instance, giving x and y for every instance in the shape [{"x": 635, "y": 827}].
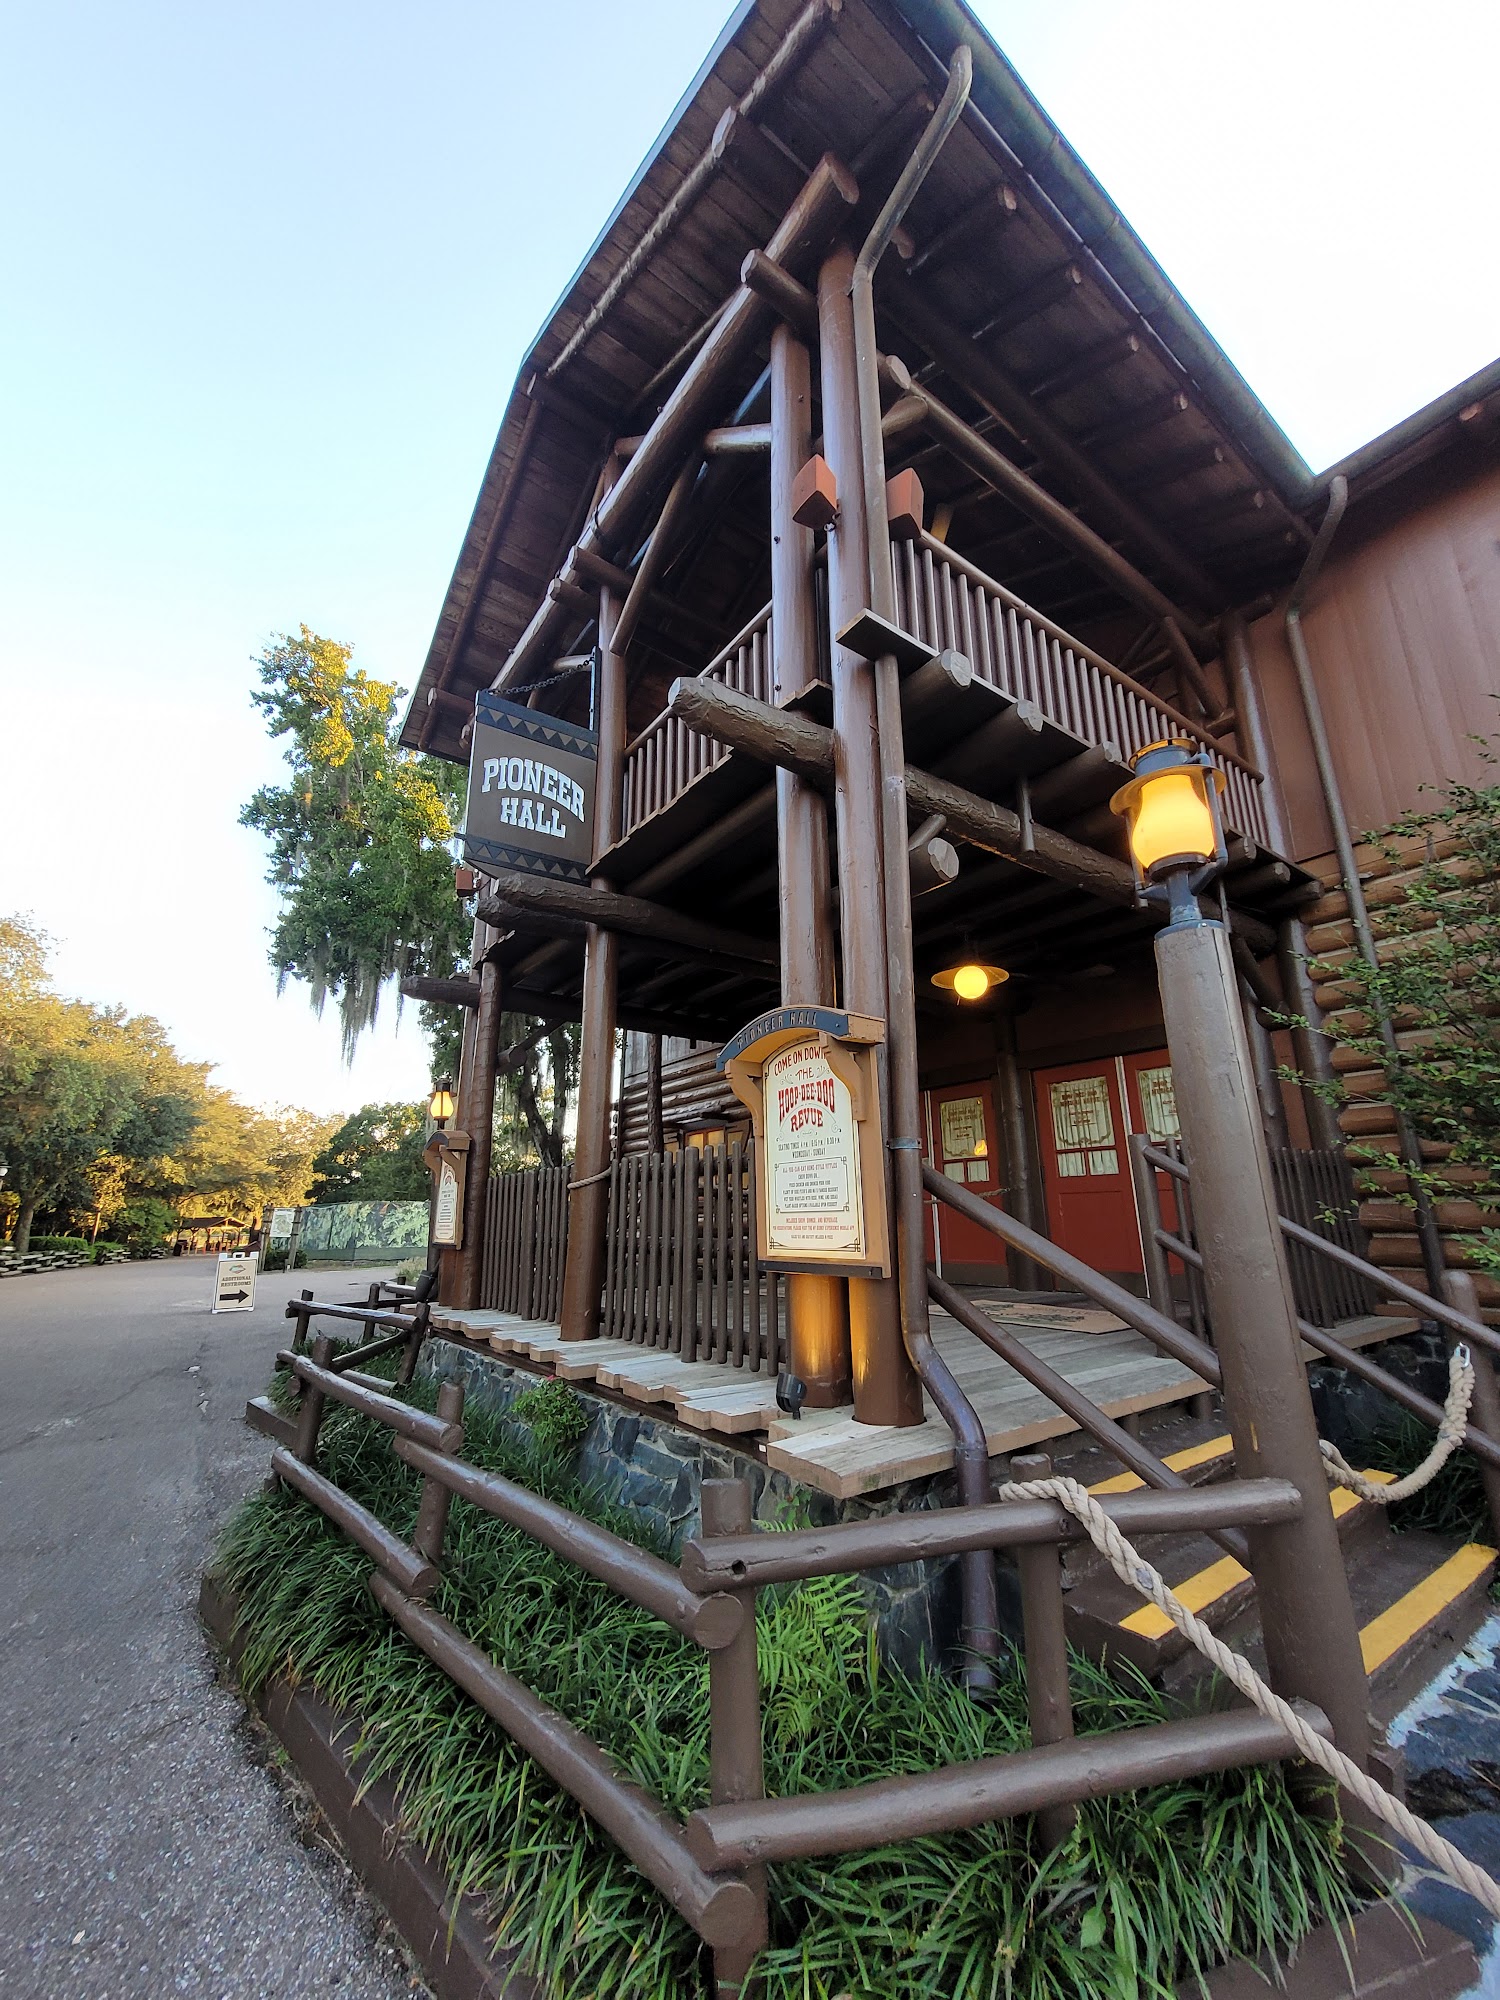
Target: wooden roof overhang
[{"x": 1022, "y": 297}]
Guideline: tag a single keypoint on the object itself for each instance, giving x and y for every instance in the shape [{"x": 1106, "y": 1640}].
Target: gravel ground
[{"x": 145, "y": 1848}]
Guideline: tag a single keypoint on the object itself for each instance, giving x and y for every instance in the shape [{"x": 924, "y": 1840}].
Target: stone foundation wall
[{"x": 642, "y": 1460}]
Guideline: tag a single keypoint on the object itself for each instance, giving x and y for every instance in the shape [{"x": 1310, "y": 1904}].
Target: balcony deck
[{"x": 1066, "y": 700}]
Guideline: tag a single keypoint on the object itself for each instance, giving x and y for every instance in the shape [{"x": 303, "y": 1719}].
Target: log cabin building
[{"x": 874, "y": 500}]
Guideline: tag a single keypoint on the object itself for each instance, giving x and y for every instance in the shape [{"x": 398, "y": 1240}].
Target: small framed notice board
[{"x": 809, "y": 1076}]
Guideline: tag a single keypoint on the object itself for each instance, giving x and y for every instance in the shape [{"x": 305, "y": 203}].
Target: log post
[
  {"x": 432, "y": 1508},
  {"x": 1023, "y": 1181},
  {"x": 817, "y": 1305},
  {"x": 1311, "y": 1637},
  {"x": 479, "y": 1114},
  {"x": 588, "y": 1193},
  {"x": 886, "y": 1389},
  {"x": 735, "y": 1759},
  {"x": 1049, "y": 1700}
]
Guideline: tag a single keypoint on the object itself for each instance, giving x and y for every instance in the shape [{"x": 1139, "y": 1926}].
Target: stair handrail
[
  {"x": 1470, "y": 1329},
  {"x": 1163, "y": 1333},
  {"x": 1074, "y": 1404}
]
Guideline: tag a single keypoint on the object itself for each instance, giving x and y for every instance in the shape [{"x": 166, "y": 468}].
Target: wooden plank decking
[{"x": 827, "y": 1449}]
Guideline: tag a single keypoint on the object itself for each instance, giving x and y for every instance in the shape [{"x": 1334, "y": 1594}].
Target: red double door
[{"x": 1084, "y": 1114}]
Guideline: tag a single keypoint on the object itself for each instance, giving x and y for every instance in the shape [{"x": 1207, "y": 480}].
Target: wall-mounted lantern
[{"x": 1171, "y": 813}]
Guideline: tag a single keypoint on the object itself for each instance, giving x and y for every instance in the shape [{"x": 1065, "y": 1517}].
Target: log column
[
  {"x": 817, "y": 1305},
  {"x": 450, "y": 1261},
  {"x": 479, "y": 1123},
  {"x": 1311, "y": 1637},
  {"x": 886, "y": 1390},
  {"x": 1024, "y": 1198},
  {"x": 588, "y": 1194}
]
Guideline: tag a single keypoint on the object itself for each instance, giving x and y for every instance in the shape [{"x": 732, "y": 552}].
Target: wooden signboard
[
  {"x": 446, "y": 1158},
  {"x": 531, "y": 792},
  {"x": 809, "y": 1076}
]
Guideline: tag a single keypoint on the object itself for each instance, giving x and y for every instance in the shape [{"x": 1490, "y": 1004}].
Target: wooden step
[{"x": 1105, "y": 1615}]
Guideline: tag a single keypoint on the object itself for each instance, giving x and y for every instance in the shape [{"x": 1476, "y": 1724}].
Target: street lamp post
[
  {"x": 440, "y": 1108},
  {"x": 1177, "y": 846}
]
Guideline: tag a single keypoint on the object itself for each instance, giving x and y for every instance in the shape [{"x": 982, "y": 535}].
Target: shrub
[
  {"x": 409, "y": 1272},
  {"x": 556, "y": 1415},
  {"x": 63, "y": 1243}
]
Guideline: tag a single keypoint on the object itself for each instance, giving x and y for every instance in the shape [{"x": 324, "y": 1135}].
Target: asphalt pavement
[{"x": 145, "y": 1850}]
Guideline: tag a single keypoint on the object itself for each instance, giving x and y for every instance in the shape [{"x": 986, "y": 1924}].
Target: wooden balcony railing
[
  {"x": 946, "y": 601},
  {"x": 667, "y": 756}
]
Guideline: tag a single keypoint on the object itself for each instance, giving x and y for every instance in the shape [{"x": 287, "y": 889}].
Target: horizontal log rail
[
  {"x": 1163, "y": 1333},
  {"x": 730, "y": 1562},
  {"x": 389, "y": 1410},
  {"x": 753, "y": 1832},
  {"x": 402, "y": 1564},
  {"x": 711, "y": 1621},
  {"x": 720, "y": 1909},
  {"x": 708, "y": 1870}
]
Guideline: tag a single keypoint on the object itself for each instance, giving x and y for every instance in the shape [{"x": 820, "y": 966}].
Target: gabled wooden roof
[{"x": 1014, "y": 245}]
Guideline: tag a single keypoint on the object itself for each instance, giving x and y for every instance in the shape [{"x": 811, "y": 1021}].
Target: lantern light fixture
[
  {"x": 971, "y": 980},
  {"x": 1173, "y": 825},
  {"x": 440, "y": 1104}
]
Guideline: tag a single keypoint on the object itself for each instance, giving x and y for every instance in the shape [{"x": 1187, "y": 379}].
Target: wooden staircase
[{"x": 1418, "y": 1597}]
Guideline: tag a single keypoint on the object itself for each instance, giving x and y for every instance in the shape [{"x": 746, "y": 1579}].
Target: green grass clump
[
  {"x": 1147, "y": 1889},
  {"x": 557, "y": 1415}
]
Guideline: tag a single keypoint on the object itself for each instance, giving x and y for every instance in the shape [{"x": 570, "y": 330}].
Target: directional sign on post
[{"x": 234, "y": 1284}]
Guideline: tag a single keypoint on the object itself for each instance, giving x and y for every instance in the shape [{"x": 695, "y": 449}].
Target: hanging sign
[
  {"x": 234, "y": 1284},
  {"x": 531, "y": 792},
  {"x": 446, "y": 1159},
  {"x": 809, "y": 1077}
]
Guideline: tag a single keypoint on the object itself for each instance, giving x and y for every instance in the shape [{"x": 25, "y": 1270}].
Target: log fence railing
[
  {"x": 1458, "y": 1321},
  {"x": 525, "y": 1242},
  {"x": 667, "y": 756},
  {"x": 711, "y": 1867},
  {"x": 945, "y": 601}
]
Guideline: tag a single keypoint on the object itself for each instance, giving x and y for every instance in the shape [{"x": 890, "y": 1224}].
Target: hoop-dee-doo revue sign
[
  {"x": 531, "y": 792},
  {"x": 808, "y": 1075}
]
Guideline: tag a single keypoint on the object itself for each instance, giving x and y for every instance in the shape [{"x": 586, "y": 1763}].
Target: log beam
[
  {"x": 631, "y": 916},
  {"x": 553, "y": 1008},
  {"x": 795, "y": 743}
]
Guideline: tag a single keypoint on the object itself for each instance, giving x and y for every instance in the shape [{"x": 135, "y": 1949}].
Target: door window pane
[
  {"x": 1158, "y": 1104},
  {"x": 1083, "y": 1127},
  {"x": 962, "y": 1121}
]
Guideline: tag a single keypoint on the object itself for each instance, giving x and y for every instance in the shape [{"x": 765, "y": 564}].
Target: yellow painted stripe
[
  {"x": 1196, "y": 1592},
  {"x": 1207, "y": 1585},
  {"x": 1401, "y": 1622},
  {"x": 1180, "y": 1461}
]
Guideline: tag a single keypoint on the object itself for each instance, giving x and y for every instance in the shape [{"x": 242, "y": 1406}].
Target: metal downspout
[
  {"x": 981, "y": 1612},
  {"x": 1343, "y": 843}
]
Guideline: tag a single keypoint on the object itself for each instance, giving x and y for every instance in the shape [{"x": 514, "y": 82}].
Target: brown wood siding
[
  {"x": 1404, "y": 634},
  {"x": 693, "y": 1097}
]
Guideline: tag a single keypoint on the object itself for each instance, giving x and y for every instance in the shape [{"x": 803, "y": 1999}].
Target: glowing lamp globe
[
  {"x": 970, "y": 981},
  {"x": 1170, "y": 809},
  {"x": 440, "y": 1104}
]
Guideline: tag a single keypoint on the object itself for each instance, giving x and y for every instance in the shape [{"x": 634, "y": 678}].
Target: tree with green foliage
[
  {"x": 375, "y": 1155},
  {"x": 360, "y": 855},
  {"x": 80, "y": 1086},
  {"x": 359, "y": 835},
  {"x": 1436, "y": 977}
]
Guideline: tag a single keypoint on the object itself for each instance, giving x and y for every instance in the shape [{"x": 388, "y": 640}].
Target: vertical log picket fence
[{"x": 681, "y": 1271}]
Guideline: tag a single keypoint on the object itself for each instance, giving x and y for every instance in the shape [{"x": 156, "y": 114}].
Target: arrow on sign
[{"x": 234, "y": 1295}]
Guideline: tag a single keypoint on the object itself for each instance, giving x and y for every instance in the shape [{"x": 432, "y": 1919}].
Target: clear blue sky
[{"x": 269, "y": 272}]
